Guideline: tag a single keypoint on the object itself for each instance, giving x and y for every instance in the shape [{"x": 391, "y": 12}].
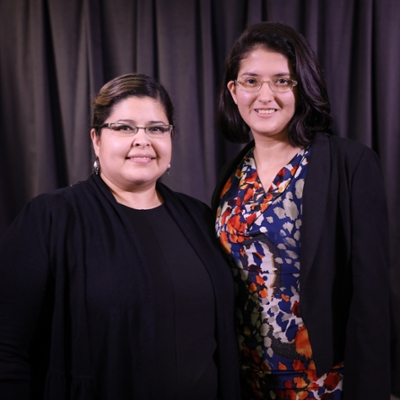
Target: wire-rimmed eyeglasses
[
  {"x": 253, "y": 84},
  {"x": 122, "y": 128}
]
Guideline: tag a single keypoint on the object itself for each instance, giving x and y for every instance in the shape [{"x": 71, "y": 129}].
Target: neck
[
  {"x": 143, "y": 198},
  {"x": 271, "y": 155},
  {"x": 269, "y": 151}
]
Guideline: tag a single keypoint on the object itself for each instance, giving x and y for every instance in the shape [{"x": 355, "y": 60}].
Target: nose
[
  {"x": 140, "y": 139},
  {"x": 265, "y": 90}
]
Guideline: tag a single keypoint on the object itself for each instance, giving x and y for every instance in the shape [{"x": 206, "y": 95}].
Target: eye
[
  {"x": 158, "y": 130},
  {"x": 282, "y": 82},
  {"x": 124, "y": 128},
  {"x": 251, "y": 81}
]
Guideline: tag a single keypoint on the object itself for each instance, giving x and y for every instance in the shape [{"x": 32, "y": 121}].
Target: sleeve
[
  {"x": 24, "y": 275},
  {"x": 367, "y": 360}
]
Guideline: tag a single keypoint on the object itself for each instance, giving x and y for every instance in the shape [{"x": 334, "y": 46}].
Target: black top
[
  {"x": 78, "y": 310},
  {"x": 184, "y": 304}
]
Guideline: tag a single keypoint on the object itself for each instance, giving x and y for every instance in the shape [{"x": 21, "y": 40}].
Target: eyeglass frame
[
  {"x": 165, "y": 134},
  {"x": 239, "y": 83}
]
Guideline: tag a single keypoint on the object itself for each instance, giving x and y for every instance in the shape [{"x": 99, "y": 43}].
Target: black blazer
[{"x": 344, "y": 284}]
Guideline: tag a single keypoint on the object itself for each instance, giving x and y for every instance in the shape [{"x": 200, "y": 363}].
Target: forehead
[
  {"x": 134, "y": 107},
  {"x": 262, "y": 60}
]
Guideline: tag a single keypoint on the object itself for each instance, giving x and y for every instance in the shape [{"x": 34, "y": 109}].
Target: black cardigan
[
  {"x": 76, "y": 299},
  {"x": 344, "y": 285}
]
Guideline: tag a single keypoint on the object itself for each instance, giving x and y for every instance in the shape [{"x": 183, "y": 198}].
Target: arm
[
  {"x": 23, "y": 280},
  {"x": 367, "y": 360}
]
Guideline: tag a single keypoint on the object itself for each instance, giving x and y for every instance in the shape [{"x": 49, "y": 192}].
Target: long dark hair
[
  {"x": 313, "y": 108},
  {"x": 121, "y": 87}
]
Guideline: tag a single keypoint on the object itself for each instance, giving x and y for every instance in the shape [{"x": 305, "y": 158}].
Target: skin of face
[
  {"x": 267, "y": 113},
  {"x": 133, "y": 163}
]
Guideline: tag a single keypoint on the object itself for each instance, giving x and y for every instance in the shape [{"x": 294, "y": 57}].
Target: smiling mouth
[
  {"x": 269, "y": 111},
  {"x": 140, "y": 159}
]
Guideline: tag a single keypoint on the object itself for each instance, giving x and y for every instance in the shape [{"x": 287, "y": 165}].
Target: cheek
[
  {"x": 167, "y": 151},
  {"x": 244, "y": 100},
  {"x": 110, "y": 147}
]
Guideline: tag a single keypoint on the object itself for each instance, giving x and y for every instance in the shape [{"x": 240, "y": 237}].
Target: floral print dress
[{"x": 261, "y": 232}]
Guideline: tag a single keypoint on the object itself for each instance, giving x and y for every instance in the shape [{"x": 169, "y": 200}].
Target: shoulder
[
  {"x": 343, "y": 150},
  {"x": 56, "y": 208},
  {"x": 59, "y": 199},
  {"x": 341, "y": 144}
]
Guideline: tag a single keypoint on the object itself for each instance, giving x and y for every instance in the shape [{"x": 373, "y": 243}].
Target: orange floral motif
[
  {"x": 298, "y": 365},
  {"x": 251, "y": 219},
  {"x": 303, "y": 345},
  {"x": 252, "y": 287},
  {"x": 331, "y": 380},
  {"x": 285, "y": 298},
  {"x": 288, "y": 384},
  {"x": 235, "y": 225},
  {"x": 226, "y": 214},
  {"x": 282, "y": 367},
  {"x": 224, "y": 241},
  {"x": 248, "y": 195},
  {"x": 264, "y": 293},
  {"x": 296, "y": 309},
  {"x": 303, "y": 395},
  {"x": 226, "y": 187},
  {"x": 299, "y": 382},
  {"x": 260, "y": 280}
]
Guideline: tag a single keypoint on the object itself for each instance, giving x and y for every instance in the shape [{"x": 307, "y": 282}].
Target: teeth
[
  {"x": 270, "y": 111},
  {"x": 139, "y": 158}
]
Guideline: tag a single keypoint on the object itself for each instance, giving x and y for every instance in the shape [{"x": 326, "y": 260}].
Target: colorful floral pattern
[{"x": 261, "y": 231}]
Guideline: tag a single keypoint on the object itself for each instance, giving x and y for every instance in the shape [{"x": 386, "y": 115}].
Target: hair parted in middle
[
  {"x": 312, "y": 107},
  {"x": 124, "y": 86}
]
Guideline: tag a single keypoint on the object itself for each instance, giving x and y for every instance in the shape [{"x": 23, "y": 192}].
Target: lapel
[
  {"x": 314, "y": 201},
  {"x": 226, "y": 172}
]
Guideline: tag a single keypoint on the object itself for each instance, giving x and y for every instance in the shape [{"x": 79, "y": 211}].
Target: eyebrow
[
  {"x": 279, "y": 74},
  {"x": 132, "y": 122}
]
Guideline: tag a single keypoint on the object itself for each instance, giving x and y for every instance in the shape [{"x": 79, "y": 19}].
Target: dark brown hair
[
  {"x": 312, "y": 109},
  {"x": 121, "y": 87}
]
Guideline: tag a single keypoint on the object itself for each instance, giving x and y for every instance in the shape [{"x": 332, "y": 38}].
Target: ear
[
  {"x": 232, "y": 88},
  {"x": 95, "y": 141}
]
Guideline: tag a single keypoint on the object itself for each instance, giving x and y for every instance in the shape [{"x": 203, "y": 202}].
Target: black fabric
[
  {"x": 72, "y": 279},
  {"x": 55, "y": 55},
  {"x": 344, "y": 264},
  {"x": 184, "y": 334}
]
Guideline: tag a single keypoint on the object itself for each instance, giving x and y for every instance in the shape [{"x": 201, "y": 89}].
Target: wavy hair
[{"x": 312, "y": 112}]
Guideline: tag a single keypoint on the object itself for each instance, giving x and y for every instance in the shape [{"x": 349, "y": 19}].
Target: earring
[
  {"x": 168, "y": 169},
  {"x": 96, "y": 165}
]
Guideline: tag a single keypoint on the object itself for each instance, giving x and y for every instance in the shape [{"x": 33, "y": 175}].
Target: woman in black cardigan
[
  {"x": 115, "y": 287},
  {"x": 303, "y": 216}
]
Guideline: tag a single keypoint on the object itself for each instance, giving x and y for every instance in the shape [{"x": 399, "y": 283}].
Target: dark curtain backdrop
[{"x": 55, "y": 55}]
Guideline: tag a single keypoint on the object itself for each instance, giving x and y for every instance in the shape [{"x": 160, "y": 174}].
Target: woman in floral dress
[{"x": 302, "y": 215}]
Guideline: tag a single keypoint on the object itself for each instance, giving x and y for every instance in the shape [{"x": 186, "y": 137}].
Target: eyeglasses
[
  {"x": 126, "y": 129},
  {"x": 278, "y": 85}
]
